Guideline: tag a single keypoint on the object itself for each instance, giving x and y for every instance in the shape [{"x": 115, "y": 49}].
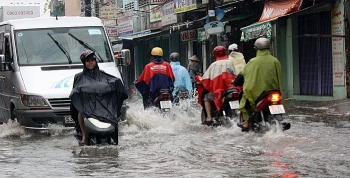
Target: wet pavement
[{"x": 153, "y": 145}]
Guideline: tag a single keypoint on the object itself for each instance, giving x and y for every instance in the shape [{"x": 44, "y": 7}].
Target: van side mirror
[{"x": 125, "y": 58}]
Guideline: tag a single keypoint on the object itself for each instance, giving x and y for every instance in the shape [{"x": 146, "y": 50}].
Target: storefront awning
[
  {"x": 138, "y": 35},
  {"x": 256, "y": 30}
]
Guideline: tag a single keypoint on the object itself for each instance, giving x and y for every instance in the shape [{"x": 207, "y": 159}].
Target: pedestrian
[
  {"x": 155, "y": 76},
  {"x": 236, "y": 57}
]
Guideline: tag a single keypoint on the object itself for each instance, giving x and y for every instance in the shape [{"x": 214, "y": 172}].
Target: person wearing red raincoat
[
  {"x": 216, "y": 79},
  {"x": 155, "y": 76}
]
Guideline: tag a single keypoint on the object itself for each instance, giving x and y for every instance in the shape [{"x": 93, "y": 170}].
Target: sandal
[{"x": 241, "y": 125}]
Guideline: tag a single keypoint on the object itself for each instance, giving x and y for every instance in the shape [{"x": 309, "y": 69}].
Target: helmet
[
  {"x": 87, "y": 54},
  {"x": 157, "y": 51},
  {"x": 262, "y": 43},
  {"x": 219, "y": 52},
  {"x": 174, "y": 56}
]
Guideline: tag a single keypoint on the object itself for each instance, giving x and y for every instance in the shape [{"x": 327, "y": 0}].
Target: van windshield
[{"x": 60, "y": 45}]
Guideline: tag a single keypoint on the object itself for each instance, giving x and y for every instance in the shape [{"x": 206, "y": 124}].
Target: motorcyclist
[
  {"x": 236, "y": 57},
  {"x": 155, "y": 76},
  {"x": 261, "y": 74},
  {"x": 216, "y": 79},
  {"x": 182, "y": 78},
  {"x": 194, "y": 67},
  {"x": 92, "y": 74}
]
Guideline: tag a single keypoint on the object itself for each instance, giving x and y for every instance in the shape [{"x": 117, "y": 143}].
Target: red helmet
[
  {"x": 219, "y": 52},
  {"x": 87, "y": 54}
]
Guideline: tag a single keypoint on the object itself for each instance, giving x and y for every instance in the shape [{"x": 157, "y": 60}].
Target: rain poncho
[
  {"x": 156, "y": 75},
  {"x": 217, "y": 79},
  {"x": 238, "y": 61},
  {"x": 98, "y": 95},
  {"x": 261, "y": 74},
  {"x": 182, "y": 78}
]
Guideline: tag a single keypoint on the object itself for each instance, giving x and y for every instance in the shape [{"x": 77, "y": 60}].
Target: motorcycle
[
  {"x": 268, "y": 113},
  {"x": 229, "y": 110},
  {"x": 98, "y": 132},
  {"x": 180, "y": 95},
  {"x": 163, "y": 100}
]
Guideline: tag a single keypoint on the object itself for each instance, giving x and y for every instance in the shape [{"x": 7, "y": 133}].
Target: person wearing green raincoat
[{"x": 261, "y": 74}]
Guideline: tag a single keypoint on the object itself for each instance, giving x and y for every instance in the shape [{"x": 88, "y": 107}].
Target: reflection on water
[{"x": 175, "y": 144}]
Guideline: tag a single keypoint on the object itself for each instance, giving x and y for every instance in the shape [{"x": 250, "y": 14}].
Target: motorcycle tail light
[
  {"x": 275, "y": 97},
  {"x": 166, "y": 96}
]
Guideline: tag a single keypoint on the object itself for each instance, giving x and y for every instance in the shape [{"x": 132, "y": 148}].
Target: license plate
[
  {"x": 234, "y": 104},
  {"x": 277, "y": 109},
  {"x": 165, "y": 104},
  {"x": 68, "y": 120}
]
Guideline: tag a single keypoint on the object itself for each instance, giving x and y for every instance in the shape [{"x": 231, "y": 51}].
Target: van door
[{"x": 7, "y": 90}]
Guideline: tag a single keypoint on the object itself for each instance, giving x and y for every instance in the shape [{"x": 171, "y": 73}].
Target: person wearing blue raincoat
[{"x": 182, "y": 77}]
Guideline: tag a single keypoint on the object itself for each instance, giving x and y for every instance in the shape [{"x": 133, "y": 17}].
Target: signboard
[
  {"x": 125, "y": 25},
  {"x": 168, "y": 16},
  {"x": 112, "y": 31},
  {"x": 156, "y": 2},
  {"x": 19, "y": 12},
  {"x": 156, "y": 17},
  {"x": 274, "y": 9},
  {"x": 108, "y": 12},
  {"x": 256, "y": 30},
  {"x": 184, "y": 5},
  {"x": 202, "y": 35},
  {"x": 214, "y": 27},
  {"x": 338, "y": 46},
  {"x": 188, "y": 35}
]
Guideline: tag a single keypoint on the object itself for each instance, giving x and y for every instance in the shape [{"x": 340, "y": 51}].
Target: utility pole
[{"x": 213, "y": 38}]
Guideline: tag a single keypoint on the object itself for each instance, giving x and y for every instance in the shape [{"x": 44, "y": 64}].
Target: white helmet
[{"x": 262, "y": 43}]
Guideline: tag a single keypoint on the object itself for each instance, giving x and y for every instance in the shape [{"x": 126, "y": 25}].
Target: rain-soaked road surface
[{"x": 151, "y": 145}]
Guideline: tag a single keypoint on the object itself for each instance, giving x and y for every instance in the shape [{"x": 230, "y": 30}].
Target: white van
[{"x": 39, "y": 58}]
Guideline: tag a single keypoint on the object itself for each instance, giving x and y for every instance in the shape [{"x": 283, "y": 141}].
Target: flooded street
[{"x": 152, "y": 145}]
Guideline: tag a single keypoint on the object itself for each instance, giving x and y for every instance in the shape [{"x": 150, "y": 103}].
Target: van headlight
[{"x": 34, "y": 101}]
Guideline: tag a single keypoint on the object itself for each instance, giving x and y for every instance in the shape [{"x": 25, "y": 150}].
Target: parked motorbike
[
  {"x": 268, "y": 113},
  {"x": 229, "y": 110},
  {"x": 163, "y": 100}
]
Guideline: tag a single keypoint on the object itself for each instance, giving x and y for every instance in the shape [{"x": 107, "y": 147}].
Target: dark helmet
[
  {"x": 86, "y": 55},
  {"x": 219, "y": 52},
  {"x": 174, "y": 57},
  {"x": 262, "y": 43}
]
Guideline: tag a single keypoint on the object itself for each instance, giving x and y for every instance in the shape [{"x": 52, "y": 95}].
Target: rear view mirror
[{"x": 127, "y": 56}]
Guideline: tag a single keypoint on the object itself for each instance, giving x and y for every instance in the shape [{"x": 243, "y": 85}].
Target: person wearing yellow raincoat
[{"x": 261, "y": 74}]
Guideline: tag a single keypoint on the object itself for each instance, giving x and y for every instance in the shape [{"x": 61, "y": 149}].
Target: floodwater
[{"x": 153, "y": 145}]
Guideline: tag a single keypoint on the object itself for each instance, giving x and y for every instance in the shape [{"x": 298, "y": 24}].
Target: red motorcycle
[
  {"x": 268, "y": 113},
  {"x": 229, "y": 110}
]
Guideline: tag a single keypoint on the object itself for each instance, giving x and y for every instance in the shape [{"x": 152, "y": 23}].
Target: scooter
[
  {"x": 268, "y": 113},
  {"x": 229, "y": 111},
  {"x": 99, "y": 133}
]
